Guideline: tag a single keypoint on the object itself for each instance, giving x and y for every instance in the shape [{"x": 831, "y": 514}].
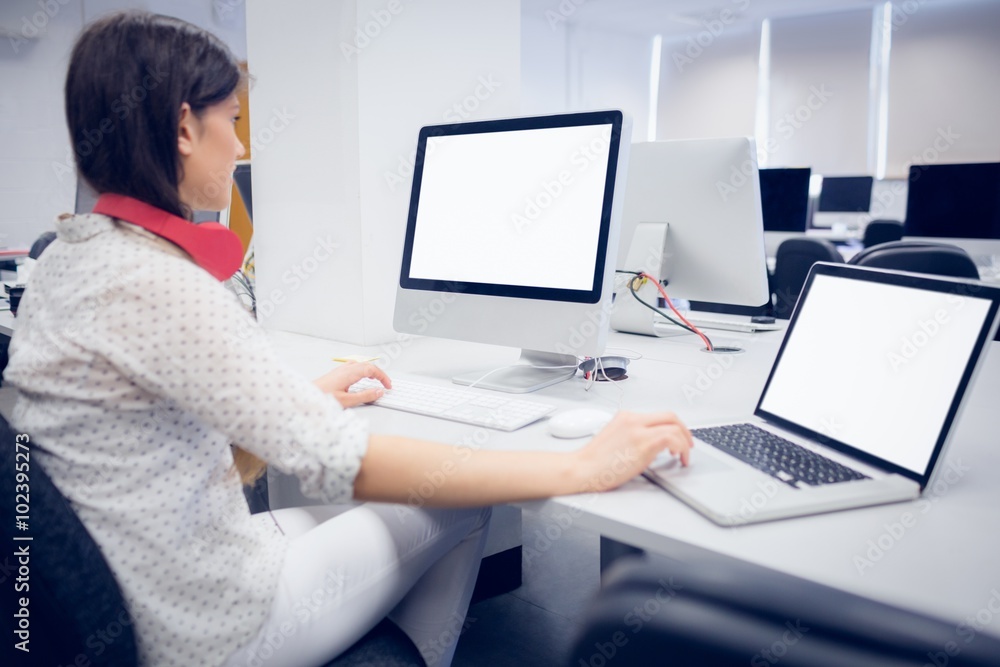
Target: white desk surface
[{"x": 943, "y": 563}]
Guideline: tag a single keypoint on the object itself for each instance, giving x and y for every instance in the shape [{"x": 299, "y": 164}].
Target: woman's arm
[
  {"x": 404, "y": 470},
  {"x": 397, "y": 469}
]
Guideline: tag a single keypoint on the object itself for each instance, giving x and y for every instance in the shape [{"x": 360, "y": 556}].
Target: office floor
[{"x": 536, "y": 623}]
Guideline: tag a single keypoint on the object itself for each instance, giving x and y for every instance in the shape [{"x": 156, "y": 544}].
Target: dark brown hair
[{"x": 128, "y": 76}]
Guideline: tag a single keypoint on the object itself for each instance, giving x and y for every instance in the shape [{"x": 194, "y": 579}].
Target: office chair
[
  {"x": 939, "y": 259},
  {"x": 73, "y": 595},
  {"x": 76, "y": 607},
  {"x": 882, "y": 231},
  {"x": 920, "y": 257},
  {"x": 40, "y": 244},
  {"x": 723, "y": 612},
  {"x": 791, "y": 266}
]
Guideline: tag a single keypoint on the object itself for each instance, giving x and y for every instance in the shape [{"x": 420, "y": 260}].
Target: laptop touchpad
[{"x": 702, "y": 462}]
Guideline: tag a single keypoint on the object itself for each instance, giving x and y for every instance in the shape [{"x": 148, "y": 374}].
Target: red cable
[{"x": 670, "y": 303}]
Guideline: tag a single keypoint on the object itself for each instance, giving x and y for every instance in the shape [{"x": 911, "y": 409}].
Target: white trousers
[{"x": 347, "y": 570}]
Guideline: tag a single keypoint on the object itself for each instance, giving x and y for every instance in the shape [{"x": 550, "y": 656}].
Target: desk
[{"x": 944, "y": 564}]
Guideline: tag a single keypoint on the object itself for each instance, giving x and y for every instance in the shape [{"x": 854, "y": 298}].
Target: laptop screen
[{"x": 875, "y": 363}]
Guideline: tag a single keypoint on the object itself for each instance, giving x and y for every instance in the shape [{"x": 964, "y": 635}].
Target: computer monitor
[
  {"x": 243, "y": 184},
  {"x": 959, "y": 201},
  {"x": 707, "y": 191},
  {"x": 846, "y": 194},
  {"x": 511, "y": 237},
  {"x": 784, "y": 199}
]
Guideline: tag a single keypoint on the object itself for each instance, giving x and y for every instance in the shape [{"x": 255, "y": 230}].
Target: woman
[{"x": 129, "y": 379}]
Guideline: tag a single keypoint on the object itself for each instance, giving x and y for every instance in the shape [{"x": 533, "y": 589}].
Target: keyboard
[
  {"x": 458, "y": 404},
  {"x": 793, "y": 464},
  {"x": 744, "y": 324}
]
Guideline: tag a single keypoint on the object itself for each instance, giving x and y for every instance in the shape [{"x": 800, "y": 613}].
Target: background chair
[
  {"x": 920, "y": 257},
  {"x": 791, "y": 266},
  {"x": 939, "y": 259},
  {"x": 882, "y": 231},
  {"x": 722, "y": 612},
  {"x": 40, "y": 244},
  {"x": 76, "y": 607}
]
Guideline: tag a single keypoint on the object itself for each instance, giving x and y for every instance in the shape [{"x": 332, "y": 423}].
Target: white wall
[
  {"x": 567, "y": 66},
  {"x": 708, "y": 88},
  {"x": 942, "y": 73},
  {"x": 37, "y": 175},
  {"x": 544, "y": 66},
  {"x": 610, "y": 70},
  {"x": 819, "y": 94},
  {"x": 34, "y": 189},
  {"x": 338, "y": 172},
  {"x": 944, "y": 85}
]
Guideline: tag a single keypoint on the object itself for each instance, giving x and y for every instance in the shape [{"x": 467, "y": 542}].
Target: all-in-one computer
[
  {"x": 692, "y": 220},
  {"x": 511, "y": 239}
]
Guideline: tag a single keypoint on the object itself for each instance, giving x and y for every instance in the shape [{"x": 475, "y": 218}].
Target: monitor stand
[{"x": 533, "y": 371}]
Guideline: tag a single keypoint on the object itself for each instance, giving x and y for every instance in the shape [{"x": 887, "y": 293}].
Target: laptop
[{"x": 859, "y": 406}]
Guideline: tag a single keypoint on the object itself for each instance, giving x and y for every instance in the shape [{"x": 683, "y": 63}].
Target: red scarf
[{"x": 213, "y": 247}]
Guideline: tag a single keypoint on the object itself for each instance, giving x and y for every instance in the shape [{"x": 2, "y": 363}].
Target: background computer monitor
[
  {"x": 242, "y": 179},
  {"x": 954, "y": 201},
  {"x": 846, "y": 194},
  {"x": 708, "y": 192},
  {"x": 511, "y": 238},
  {"x": 784, "y": 199}
]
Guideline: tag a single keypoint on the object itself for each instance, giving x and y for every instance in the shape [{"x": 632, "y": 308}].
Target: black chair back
[
  {"x": 726, "y": 613},
  {"x": 40, "y": 244},
  {"x": 791, "y": 266},
  {"x": 882, "y": 231},
  {"x": 938, "y": 259}
]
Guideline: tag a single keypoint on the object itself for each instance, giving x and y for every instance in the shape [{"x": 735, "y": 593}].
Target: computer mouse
[{"x": 578, "y": 423}]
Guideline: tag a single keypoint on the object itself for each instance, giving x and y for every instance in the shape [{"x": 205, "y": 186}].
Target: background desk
[
  {"x": 944, "y": 563},
  {"x": 6, "y": 323}
]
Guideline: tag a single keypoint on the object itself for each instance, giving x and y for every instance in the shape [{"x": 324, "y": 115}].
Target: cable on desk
[{"x": 684, "y": 324}]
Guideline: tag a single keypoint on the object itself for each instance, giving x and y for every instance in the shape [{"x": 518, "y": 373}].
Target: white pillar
[{"x": 341, "y": 90}]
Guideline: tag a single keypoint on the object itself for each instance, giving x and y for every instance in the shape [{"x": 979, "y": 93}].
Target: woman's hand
[
  {"x": 337, "y": 382},
  {"x": 628, "y": 444}
]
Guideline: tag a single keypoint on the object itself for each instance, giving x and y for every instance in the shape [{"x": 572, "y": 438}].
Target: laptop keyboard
[{"x": 772, "y": 454}]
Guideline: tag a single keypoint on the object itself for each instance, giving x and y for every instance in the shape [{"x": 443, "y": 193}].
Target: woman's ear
[{"x": 186, "y": 130}]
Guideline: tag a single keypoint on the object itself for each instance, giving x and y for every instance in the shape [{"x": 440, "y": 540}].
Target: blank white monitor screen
[
  {"x": 511, "y": 236},
  {"x": 518, "y": 208},
  {"x": 876, "y": 366}
]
